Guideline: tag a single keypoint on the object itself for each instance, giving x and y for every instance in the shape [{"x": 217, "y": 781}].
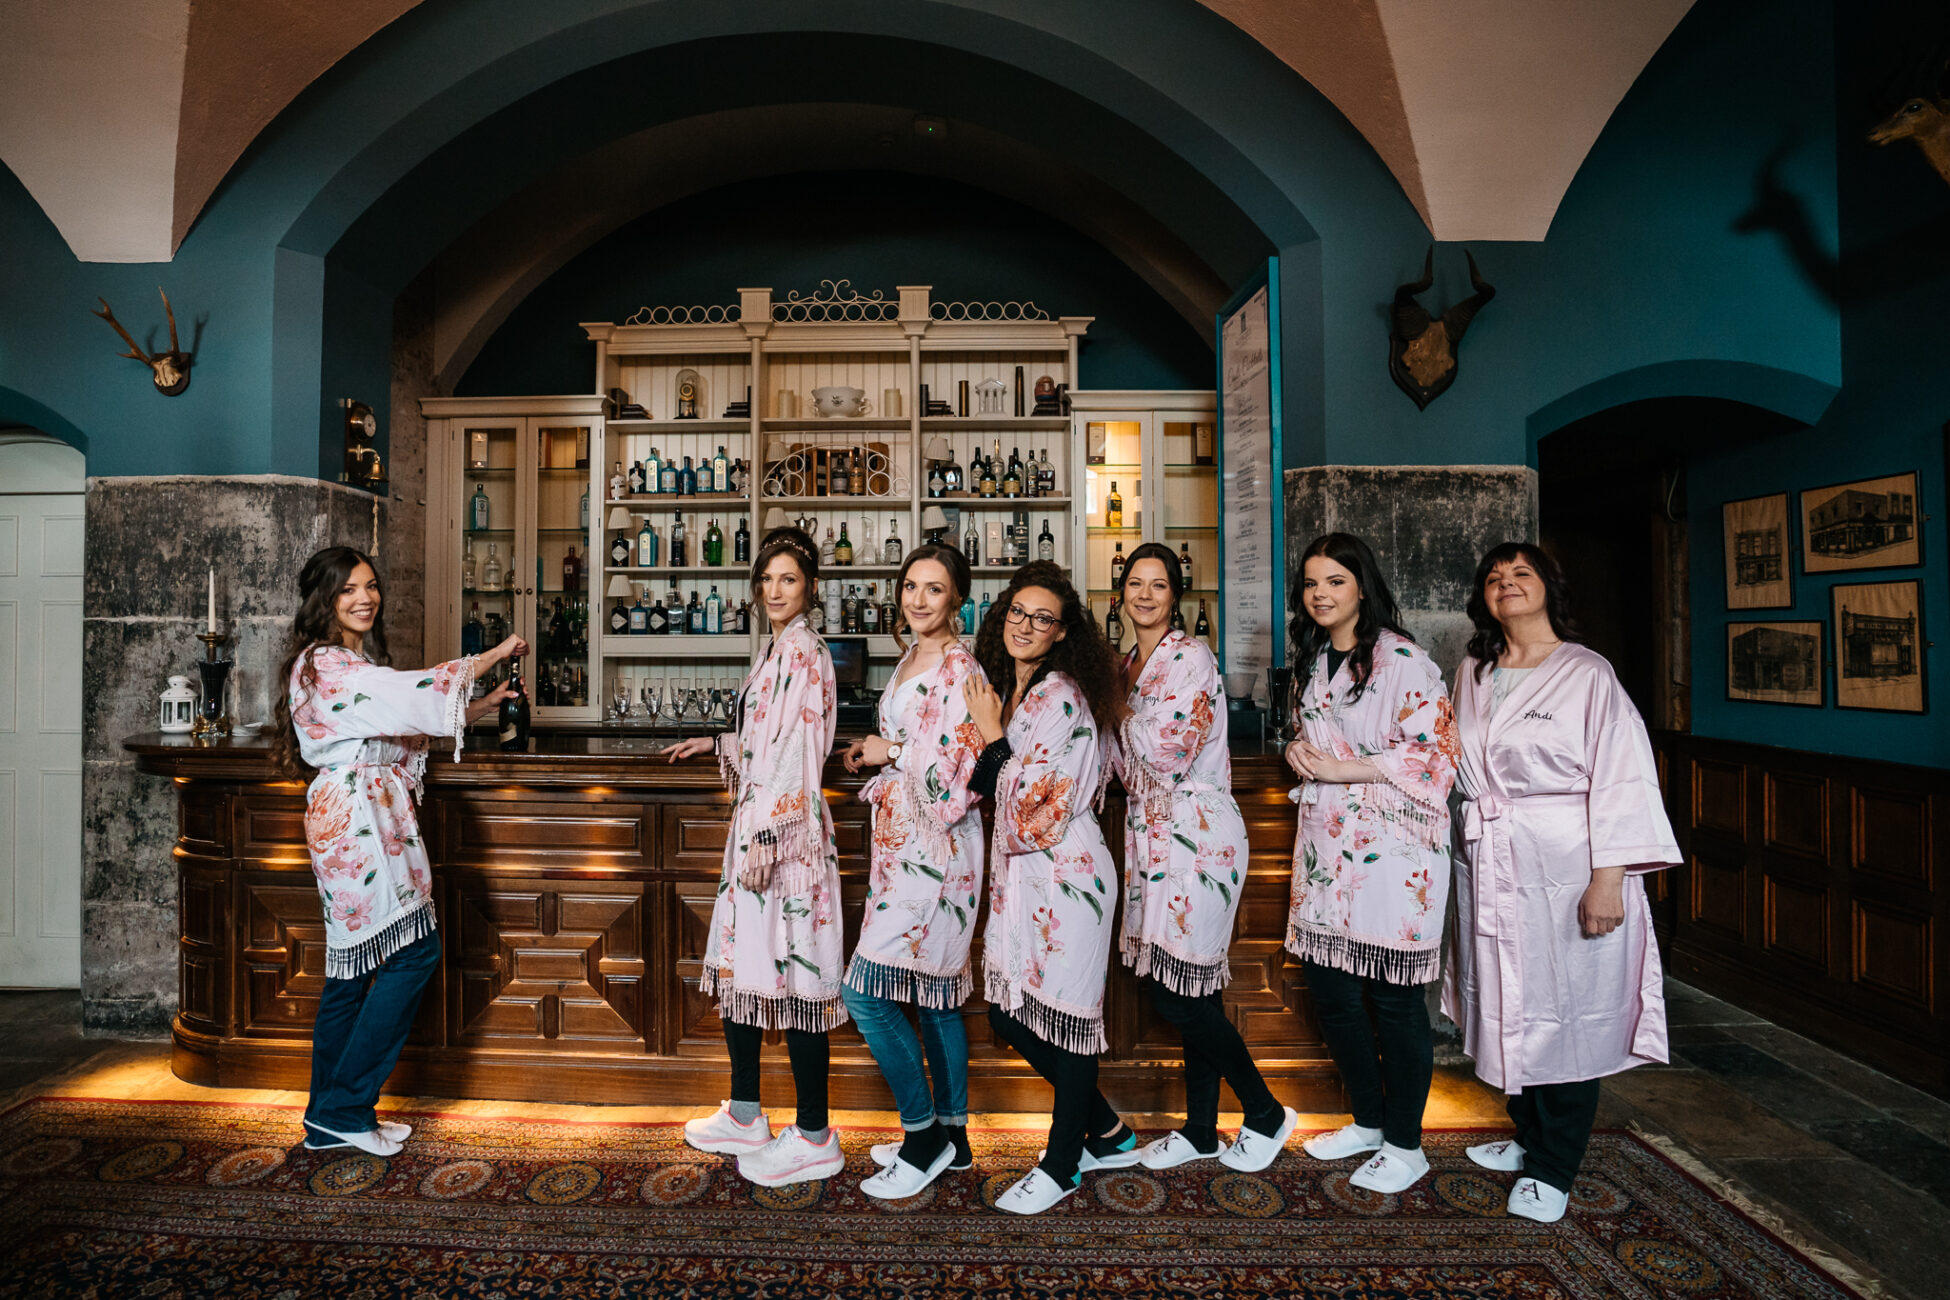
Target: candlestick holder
[{"x": 212, "y": 719}]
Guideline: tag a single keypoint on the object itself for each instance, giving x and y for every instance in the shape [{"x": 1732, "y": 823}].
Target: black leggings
[
  {"x": 1213, "y": 1051},
  {"x": 809, "y": 1053},
  {"x": 1080, "y": 1110},
  {"x": 1553, "y": 1127},
  {"x": 1387, "y": 1086}
]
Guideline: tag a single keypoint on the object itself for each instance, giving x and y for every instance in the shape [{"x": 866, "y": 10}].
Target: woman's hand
[
  {"x": 755, "y": 877},
  {"x": 1316, "y": 764},
  {"x": 507, "y": 650},
  {"x": 1602, "y": 909},
  {"x": 984, "y": 708},
  {"x": 868, "y": 751},
  {"x": 488, "y": 703},
  {"x": 689, "y": 748}
]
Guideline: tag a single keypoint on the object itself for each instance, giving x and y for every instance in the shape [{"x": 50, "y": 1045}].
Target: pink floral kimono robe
[
  {"x": 1371, "y": 860},
  {"x": 773, "y": 957},
  {"x": 366, "y": 728},
  {"x": 1184, "y": 840},
  {"x": 1560, "y": 779},
  {"x": 927, "y": 842},
  {"x": 1052, "y": 888}
]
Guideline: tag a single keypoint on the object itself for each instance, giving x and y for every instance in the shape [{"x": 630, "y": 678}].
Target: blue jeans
[
  {"x": 362, "y": 1024},
  {"x": 891, "y": 1040}
]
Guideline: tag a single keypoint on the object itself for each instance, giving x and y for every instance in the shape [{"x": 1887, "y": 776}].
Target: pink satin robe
[{"x": 1559, "y": 779}]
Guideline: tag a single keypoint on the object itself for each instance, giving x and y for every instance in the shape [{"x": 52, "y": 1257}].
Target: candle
[{"x": 213, "y": 601}]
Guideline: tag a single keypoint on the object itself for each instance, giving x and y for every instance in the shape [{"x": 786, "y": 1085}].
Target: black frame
[
  {"x": 1787, "y": 551},
  {"x": 1922, "y": 644},
  {"x": 1821, "y": 667},
  {"x": 1846, "y": 566}
]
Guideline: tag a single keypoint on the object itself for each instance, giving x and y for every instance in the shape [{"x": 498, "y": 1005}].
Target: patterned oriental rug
[{"x": 117, "y": 1198}]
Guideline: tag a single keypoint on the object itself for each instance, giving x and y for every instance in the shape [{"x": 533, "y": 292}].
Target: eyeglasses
[{"x": 1042, "y": 620}]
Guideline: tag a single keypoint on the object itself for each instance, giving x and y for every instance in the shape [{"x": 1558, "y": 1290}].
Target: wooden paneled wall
[{"x": 1812, "y": 893}]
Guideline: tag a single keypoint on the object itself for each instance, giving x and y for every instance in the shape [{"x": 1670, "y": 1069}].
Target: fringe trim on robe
[
  {"x": 1367, "y": 959},
  {"x": 793, "y": 851},
  {"x": 924, "y": 813},
  {"x": 1186, "y": 978},
  {"x": 900, "y": 984},
  {"x": 1083, "y": 1035},
  {"x": 1422, "y": 824},
  {"x": 745, "y": 1007},
  {"x": 369, "y": 955}
]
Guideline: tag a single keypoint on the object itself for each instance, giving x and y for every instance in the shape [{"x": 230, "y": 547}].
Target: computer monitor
[{"x": 849, "y": 663}]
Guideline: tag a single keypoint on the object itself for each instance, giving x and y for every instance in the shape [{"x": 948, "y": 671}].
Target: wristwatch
[{"x": 894, "y": 752}]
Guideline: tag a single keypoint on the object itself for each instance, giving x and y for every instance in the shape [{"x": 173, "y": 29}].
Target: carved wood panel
[
  {"x": 1720, "y": 797},
  {"x": 1796, "y": 814},
  {"x": 1892, "y": 834},
  {"x": 1719, "y": 895},
  {"x": 270, "y": 828},
  {"x": 542, "y": 834},
  {"x": 1795, "y": 920},
  {"x": 203, "y": 822},
  {"x": 281, "y": 956},
  {"x": 1892, "y": 954},
  {"x": 203, "y": 910}
]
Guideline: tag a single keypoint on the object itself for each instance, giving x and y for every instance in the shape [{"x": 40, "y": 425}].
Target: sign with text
[{"x": 1254, "y": 550}]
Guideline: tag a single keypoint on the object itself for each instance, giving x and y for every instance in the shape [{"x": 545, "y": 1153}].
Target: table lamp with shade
[
  {"x": 619, "y": 546},
  {"x": 619, "y": 614},
  {"x": 938, "y": 453},
  {"x": 934, "y": 522}
]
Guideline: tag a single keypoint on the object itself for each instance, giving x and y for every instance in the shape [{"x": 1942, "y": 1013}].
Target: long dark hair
[
  {"x": 1487, "y": 643},
  {"x": 1162, "y": 554},
  {"x": 1082, "y": 653},
  {"x": 315, "y": 624},
  {"x": 798, "y": 544},
  {"x": 949, "y": 558},
  {"x": 1377, "y": 610}
]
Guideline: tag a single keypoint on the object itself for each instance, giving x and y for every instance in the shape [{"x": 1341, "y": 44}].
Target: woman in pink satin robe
[{"x": 1553, "y": 974}]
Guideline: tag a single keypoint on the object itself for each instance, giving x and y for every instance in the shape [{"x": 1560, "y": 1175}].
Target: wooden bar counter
[{"x": 574, "y": 885}]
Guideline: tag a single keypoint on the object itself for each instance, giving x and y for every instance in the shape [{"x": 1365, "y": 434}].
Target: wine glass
[
  {"x": 694, "y": 701},
  {"x": 622, "y": 700},
  {"x": 653, "y": 699},
  {"x": 678, "y": 704}
]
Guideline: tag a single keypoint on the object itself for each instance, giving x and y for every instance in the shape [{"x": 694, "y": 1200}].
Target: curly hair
[
  {"x": 1377, "y": 611},
  {"x": 949, "y": 558},
  {"x": 1082, "y": 654},
  {"x": 1488, "y": 642},
  {"x": 316, "y": 624}
]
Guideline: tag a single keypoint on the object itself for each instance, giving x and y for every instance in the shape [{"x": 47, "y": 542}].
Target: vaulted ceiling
[{"x": 125, "y": 116}]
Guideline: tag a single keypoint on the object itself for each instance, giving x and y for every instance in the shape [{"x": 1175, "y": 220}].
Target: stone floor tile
[
  {"x": 39, "y": 1007},
  {"x": 1896, "y": 1149},
  {"x": 1896, "y": 1231},
  {"x": 1790, "y": 1093},
  {"x": 1708, "y": 1117},
  {"x": 1831, "y": 1067},
  {"x": 1686, "y": 1005},
  {"x": 1931, "y": 1121}
]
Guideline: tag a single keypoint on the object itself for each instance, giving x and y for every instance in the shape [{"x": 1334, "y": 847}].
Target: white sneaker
[
  {"x": 1251, "y": 1152},
  {"x": 1505, "y": 1156},
  {"x": 1530, "y": 1199},
  {"x": 719, "y": 1132},
  {"x": 1172, "y": 1150},
  {"x": 900, "y": 1180},
  {"x": 372, "y": 1141},
  {"x": 790, "y": 1158},
  {"x": 1351, "y": 1140},
  {"x": 1392, "y": 1170},
  {"x": 1033, "y": 1193}
]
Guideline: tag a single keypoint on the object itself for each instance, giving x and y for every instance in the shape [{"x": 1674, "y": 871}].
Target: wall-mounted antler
[
  {"x": 172, "y": 368},
  {"x": 1422, "y": 354}
]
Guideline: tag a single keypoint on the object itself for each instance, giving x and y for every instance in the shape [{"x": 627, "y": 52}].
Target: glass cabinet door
[
  {"x": 558, "y": 628},
  {"x": 490, "y": 517},
  {"x": 1113, "y": 510},
  {"x": 1189, "y": 523}
]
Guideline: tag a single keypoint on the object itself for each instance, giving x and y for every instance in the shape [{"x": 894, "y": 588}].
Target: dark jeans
[
  {"x": 1553, "y": 1126},
  {"x": 1080, "y": 1110},
  {"x": 809, "y": 1053},
  {"x": 943, "y": 1044},
  {"x": 1214, "y": 1051},
  {"x": 1388, "y": 1084},
  {"x": 356, "y": 1039}
]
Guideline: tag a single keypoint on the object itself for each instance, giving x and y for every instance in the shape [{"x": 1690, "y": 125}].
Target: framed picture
[
  {"x": 1758, "y": 572},
  {"x": 1775, "y": 663},
  {"x": 1868, "y": 524},
  {"x": 1879, "y": 646}
]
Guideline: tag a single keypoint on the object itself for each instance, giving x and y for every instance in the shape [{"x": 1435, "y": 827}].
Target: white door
[{"x": 40, "y": 714}]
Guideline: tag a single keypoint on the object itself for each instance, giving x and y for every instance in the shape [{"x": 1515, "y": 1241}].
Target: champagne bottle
[
  {"x": 1203, "y": 628},
  {"x": 514, "y": 710}
]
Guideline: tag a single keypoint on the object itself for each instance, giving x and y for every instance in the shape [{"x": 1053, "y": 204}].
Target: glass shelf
[
  {"x": 1182, "y": 467},
  {"x": 1096, "y": 530},
  {"x": 1195, "y": 529},
  {"x": 490, "y": 532},
  {"x": 492, "y": 471}
]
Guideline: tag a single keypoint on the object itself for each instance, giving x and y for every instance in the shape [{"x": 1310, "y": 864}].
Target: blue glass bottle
[{"x": 687, "y": 480}]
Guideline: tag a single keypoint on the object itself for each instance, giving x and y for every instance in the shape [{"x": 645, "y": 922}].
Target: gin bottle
[{"x": 478, "y": 513}]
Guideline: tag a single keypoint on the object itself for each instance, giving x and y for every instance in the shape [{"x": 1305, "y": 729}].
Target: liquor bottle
[
  {"x": 1117, "y": 568},
  {"x": 637, "y": 477},
  {"x": 827, "y": 549},
  {"x": 816, "y": 617},
  {"x": 1177, "y": 617},
  {"x": 1185, "y": 565},
  {"x": 677, "y": 551},
  {"x": 951, "y": 479},
  {"x": 559, "y": 639},
  {"x": 971, "y": 544},
  {"x": 1046, "y": 476},
  {"x": 687, "y": 480},
  {"x": 479, "y": 513},
  {"x": 1046, "y": 543},
  {"x": 714, "y": 613},
  {"x": 887, "y": 612},
  {"x": 706, "y": 479},
  {"x": 741, "y": 543},
  {"x": 667, "y": 477},
  {"x": 473, "y": 635},
  {"x": 694, "y": 615},
  {"x": 1202, "y": 628},
  {"x": 491, "y": 571},
  {"x": 982, "y": 614},
  {"x": 866, "y": 551},
  {"x": 743, "y": 625},
  {"x": 585, "y": 511},
  {"x": 1012, "y": 477},
  {"x": 856, "y": 478},
  {"x": 1114, "y": 626},
  {"x": 968, "y": 624},
  {"x": 1202, "y": 444},
  {"x": 832, "y": 605},
  {"x": 653, "y": 473},
  {"x": 640, "y": 613},
  {"x": 646, "y": 544},
  {"x": 850, "y": 610},
  {"x": 937, "y": 486},
  {"x": 619, "y": 551},
  {"x": 843, "y": 550},
  {"x": 1019, "y": 538},
  {"x": 721, "y": 470},
  {"x": 619, "y": 618},
  {"x": 619, "y": 482},
  {"x": 494, "y": 629},
  {"x": 659, "y": 620},
  {"x": 514, "y": 710},
  {"x": 986, "y": 485},
  {"x": 890, "y": 550},
  {"x": 836, "y": 476},
  {"x": 714, "y": 544},
  {"x": 1114, "y": 508},
  {"x": 467, "y": 568},
  {"x": 571, "y": 569},
  {"x": 870, "y": 611}
]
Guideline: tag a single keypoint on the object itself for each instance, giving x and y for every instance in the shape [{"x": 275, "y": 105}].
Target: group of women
[{"x": 1550, "y": 968}]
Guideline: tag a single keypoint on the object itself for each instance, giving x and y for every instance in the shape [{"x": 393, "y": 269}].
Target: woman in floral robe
[
  {"x": 1184, "y": 867},
  {"x": 363, "y": 729},
  {"x": 773, "y": 955},
  {"x": 927, "y": 870},
  {"x": 1371, "y": 861},
  {"x": 1052, "y": 887}
]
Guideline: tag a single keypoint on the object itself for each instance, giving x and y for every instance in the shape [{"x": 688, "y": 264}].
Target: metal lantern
[{"x": 178, "y": 707}]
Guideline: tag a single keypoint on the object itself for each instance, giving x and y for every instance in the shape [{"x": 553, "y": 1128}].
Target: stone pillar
[
  {"x": 149, "y": 544},
  {"x": 1428, "y": 525}
]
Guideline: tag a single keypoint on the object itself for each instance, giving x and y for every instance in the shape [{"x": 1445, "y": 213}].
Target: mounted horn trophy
[
  {"x": 1422, "y": 354},
  {"x": 172, "y": 368}
]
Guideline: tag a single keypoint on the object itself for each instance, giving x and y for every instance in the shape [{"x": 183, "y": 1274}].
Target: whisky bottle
[
  {"x": 870, "y": 611},
  {"x": 971, "y": 544},
  {"x": 836, "y": 475},
  {"x": 1012, "y": 477},
  {"x": 856, "y": 478},
  {"x": 1114, "y": 508},
  {"x": 986, "y": 485},
  {"x": 1114, "y": 626},
  {"x": 887, "y": 612},
  {"x": 1117, "y": 568},
  {"x": 1046, "y": 543},
  {"x": 677, "y": 548},
  {"x": 890, "y": 550},
  {"x": 828, "y": 550},
  {"x": 850, "y": 610}
]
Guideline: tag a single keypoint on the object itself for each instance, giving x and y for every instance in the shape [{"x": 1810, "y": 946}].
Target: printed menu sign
[{"x": 1252, "y": 551}]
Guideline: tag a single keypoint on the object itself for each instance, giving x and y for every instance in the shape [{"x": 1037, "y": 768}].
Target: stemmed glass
[
  {"x": 678, "y": 708},
  {"x": 622, "y": 700},
  {"x": 694, "y": 702},
  {"x": 653, "y": 699}
]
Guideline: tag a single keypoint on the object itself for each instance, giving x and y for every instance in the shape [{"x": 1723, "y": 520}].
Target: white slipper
[
  {"x": 1033, "y": 1193},
  {"x": 1087, "y": 1163},
  {"x": 1172, "y": 1150},
  {"x": 1392, "y": 1170},
  {"x": 1349, "y": 1140},
  {"x": 372, "y": 1141},
  {"x": 900, "y": 1180},
  {"x": 1530, "y": 1199},
  {"x": 1505, "y": 1156},
  {"x": 885, "y": 1153},
  {"x": 1251, "y": 1152}
]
